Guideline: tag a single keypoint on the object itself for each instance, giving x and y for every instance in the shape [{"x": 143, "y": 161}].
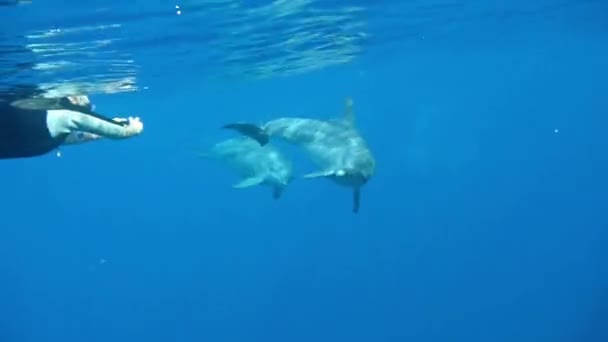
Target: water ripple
[{"x": 102, "y": 46}]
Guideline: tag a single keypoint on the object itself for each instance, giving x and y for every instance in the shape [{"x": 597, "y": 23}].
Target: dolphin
[
  {"x": 256, "y": 164},
  {"x": 335, "y": 146}
]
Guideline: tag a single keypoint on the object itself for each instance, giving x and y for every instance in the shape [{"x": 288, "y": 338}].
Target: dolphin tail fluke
[
  {"x": 250, "y": 130},
  {"x": 356, "y": 200},
  {"x": 248, "y": 182}
]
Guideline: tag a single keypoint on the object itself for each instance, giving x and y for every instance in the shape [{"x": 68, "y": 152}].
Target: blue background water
[{"x": 483, "y": 222}]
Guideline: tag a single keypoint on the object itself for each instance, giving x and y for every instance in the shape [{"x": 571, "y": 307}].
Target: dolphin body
[
  {"x": 256, "y": 164},
  {"x": 335, "y": 146}
]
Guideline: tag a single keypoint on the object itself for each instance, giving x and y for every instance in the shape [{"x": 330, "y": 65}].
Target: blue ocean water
[{"x": 486, "y": 219}]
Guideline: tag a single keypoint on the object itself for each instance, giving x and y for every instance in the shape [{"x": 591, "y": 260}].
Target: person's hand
[{"x": 132, "y": 126}]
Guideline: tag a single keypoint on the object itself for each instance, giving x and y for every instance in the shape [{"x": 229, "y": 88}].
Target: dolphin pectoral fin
[
  {"x": 318, "y": 174},
  {"x": 248, "y": 182},
  {"x": 356, "y": 200},
  {"x": 349, "y": 112},
  {"x": 277, "y": 191},
  {"x": 250, "y": 130}
]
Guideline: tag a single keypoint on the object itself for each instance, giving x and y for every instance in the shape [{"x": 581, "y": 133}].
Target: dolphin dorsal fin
[{"x": 349, "y": 112}]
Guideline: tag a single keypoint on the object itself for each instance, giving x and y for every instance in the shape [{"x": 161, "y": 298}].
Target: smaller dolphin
[
  {"x": 335, "y": 146},
  {"x": 256, "y": 164}
]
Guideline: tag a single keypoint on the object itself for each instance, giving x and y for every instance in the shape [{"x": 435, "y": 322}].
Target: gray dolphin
[
  {"x": 256, "y": 164},
  {"x": 335, "y": 146}
]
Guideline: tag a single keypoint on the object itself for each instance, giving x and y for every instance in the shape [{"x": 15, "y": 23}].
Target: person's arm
[{"x": 63, "y": 121}]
